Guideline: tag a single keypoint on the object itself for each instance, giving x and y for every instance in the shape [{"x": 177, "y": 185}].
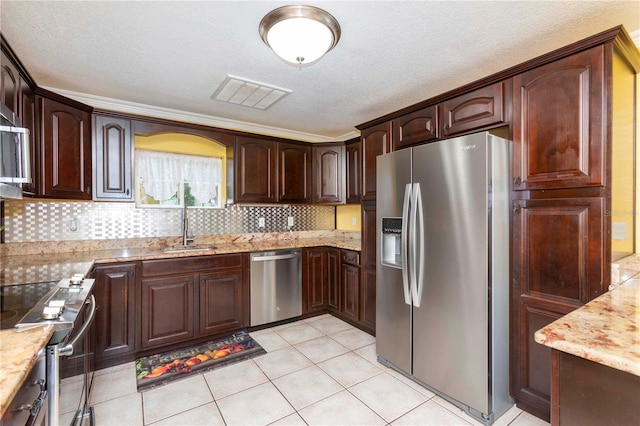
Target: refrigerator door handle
[
  {"x": 404, "y": 241},
  {"x": 417, "y": 218}
]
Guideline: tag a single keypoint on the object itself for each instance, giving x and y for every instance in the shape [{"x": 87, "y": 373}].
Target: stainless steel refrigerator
[{"x": 443, "y": 269}]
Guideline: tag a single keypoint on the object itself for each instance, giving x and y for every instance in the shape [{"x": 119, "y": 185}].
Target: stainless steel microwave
[{"x": 15, "y": 157}]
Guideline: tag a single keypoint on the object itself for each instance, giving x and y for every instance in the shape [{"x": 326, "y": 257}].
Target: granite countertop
[
  {"x": 41, "y": 262},
  {"x": 18, "y": 353},
  {"x": 606, "y": 330}
]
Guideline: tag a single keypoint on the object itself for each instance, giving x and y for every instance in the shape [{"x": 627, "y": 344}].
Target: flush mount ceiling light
[{"x": 300, "y": 35}]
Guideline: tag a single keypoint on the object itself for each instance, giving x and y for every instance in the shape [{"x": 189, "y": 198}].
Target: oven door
[{"x": 75, "y": 371}]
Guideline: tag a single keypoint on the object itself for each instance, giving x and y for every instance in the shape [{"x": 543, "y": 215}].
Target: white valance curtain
[{"x": 162, "y": 172}]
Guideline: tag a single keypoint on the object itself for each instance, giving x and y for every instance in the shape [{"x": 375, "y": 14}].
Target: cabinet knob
[
  {"x": 516, "y": 181},
  {"x": 127, "y": 192}
]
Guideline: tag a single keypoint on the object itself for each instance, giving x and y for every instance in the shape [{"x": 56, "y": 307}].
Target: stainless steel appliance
[
  {"x": 15, "y": 158},
  {"x": 276, "y": 286},
  {"x": 70, "y": 307},
  {"x": 443, "y": 269},
  {"x": 30, "y": 404}
]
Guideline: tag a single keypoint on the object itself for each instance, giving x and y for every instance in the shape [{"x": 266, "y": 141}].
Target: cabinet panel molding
[{"x": 113, "y": 151}]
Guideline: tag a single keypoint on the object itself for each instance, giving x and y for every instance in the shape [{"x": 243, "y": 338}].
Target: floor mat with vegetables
[{"x": 159, "y": 369}]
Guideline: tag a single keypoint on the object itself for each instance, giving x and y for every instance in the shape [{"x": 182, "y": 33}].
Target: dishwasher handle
[{"x": 275, "y": 257}]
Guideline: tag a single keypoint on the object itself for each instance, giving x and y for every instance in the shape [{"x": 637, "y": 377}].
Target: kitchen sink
[{"x": 184, "y": 249}]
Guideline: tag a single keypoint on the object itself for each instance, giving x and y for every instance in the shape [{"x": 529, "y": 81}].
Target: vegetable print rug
[{"x": 159, "y": 369}]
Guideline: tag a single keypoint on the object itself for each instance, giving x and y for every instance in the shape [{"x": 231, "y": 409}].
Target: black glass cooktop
[{"x": 17, "y": 300}]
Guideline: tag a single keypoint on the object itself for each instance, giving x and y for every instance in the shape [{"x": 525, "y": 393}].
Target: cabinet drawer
[
  {"x": 151, "y": 268},
  {"x": 351, "y": 257}
]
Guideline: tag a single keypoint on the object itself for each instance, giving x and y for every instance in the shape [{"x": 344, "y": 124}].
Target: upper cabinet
[
  {"x": 112, "y": 162},
  {"x": 558, "y": 127},
  {"x": 353, "y": 157},
  {"x": 294, "y": 173},
  {"x": 255, "y": 170},
  {"x": 9, "y": 84},
  {"x": 328, "y": 174},
  {"x": 416, "y": 127},
  {"x": 376, "y": 140},
  {"x": 478, "y": 109},
  {"x": 65, "y": 150}
]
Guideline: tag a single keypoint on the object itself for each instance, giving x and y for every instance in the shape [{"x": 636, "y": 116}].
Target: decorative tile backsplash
[{"x": 40, "y": 220}]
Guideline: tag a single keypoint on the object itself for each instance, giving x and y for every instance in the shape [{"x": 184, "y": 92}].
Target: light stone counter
[
  {"x": 24, "y": 263},
  {"x": 605, "y": 330},
  {"x": 18, "y": 353}
]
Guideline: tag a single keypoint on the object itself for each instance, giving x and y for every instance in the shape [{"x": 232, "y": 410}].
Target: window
[{"x": 167, "y": 179}]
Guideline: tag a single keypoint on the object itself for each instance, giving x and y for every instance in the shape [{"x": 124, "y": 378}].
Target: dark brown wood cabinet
[
  {"x": 368, "y": 267},
  {"x": 65, "y": 150},
  {"x": 255, "y": 170},
  {"x": 376, "y": 140},
  {"x": 353, "y": 187},
  {"x": 115, "y": 295},
  {"x": 314, "y": 276},
  {"x": 416, "y": 127},
  {"x": 350, "y": 285},
  {"x": 368, "y": 299},
  {"x": 113, "y": 159},
  {"x": 559, "y": 131},
  {"x": 190, "y": 298},
  {"x": 328, "y": 174},
  {"x": 480, "y": 108},
  {"x": 167, "y": 310},
  {"x": 221, "y": 296},
  {"x": 294, "y": 173},
  {"x": 333, "y": 280},
  {"x": 9, "y": 84},
  {"x": 28, "y": 109},
  {"x": 562, "y": 197}
]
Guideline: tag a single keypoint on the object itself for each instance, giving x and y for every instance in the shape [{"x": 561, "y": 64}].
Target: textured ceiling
[{"x": 167, "y": 58}]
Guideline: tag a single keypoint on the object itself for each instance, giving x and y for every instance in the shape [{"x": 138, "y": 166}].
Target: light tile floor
[{"x": 319, "y": 371}]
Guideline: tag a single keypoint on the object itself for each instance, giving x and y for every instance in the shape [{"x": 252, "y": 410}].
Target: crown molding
[{"x": 100, "y": 102}]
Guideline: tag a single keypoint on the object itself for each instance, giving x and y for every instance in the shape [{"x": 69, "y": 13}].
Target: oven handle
[{"x": 67, "y": 350}]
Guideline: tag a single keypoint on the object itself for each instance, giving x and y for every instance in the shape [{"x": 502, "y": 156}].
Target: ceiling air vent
[{"x": 240, "y": 91}]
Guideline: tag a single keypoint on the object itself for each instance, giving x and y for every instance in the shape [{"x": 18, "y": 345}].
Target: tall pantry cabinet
[{"x": 563, "y": 192}]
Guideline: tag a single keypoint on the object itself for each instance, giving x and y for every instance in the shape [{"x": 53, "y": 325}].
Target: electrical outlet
[
  {"x": 261, "y": 222},
  {"x": 354, "y": 221},
  {"x": 290, "y": 221},
  {"x": 73, "y": 224}
]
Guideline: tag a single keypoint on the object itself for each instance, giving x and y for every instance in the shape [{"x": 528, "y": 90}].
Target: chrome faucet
[{"x": 185, "y": 227}]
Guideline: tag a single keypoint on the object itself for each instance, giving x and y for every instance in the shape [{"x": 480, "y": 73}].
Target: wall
[
  {"x": 345, "y": 215},
  {"x": 44, "y": 220}
]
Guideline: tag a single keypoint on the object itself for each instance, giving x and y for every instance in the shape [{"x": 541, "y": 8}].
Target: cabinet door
[
  {"x": 113, "y": 151},
  {"x": 416, "y": 127},
  {"x": 369, "y": 234},
  {"x": 350, "y": 284},
  {"x": 559, "y": 136},
  {"x": 354, "y": 172},
  {"x": 376, "y": 140},
  {"x": 294, "y": 173},
  {"x": 221, "y": 302},
  {"x": 66, "y": 151},
  {"x": 328, "y": 174},
  {"x": 28, "y": 117},
  {"x": 314, "y": 270},
  {"x": 558, "y": 264},
  {"x": 166, "y": 310},
  {"x": 255, "y": 161},
  {"x": 9, "y": 84},
  {"x": 368, "y": 299},
  {"x": 114, "y": 290},
  {"x": 474, "y": 110},
  {"x": 333, "y": 280}
]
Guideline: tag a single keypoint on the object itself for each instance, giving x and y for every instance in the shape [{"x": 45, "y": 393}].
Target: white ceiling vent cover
[{"x": 240, "y": 91}]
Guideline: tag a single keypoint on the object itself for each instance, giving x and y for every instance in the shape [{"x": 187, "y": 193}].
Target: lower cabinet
[
  {"x": 368, "y": 299},
  {"x": 189, "y": 298},
  {"x": 167, "y": 314},
  {"x": 314, "y": 279},
  {"x": 331, "y": 282},
  {"x": 115, "y": 295}
]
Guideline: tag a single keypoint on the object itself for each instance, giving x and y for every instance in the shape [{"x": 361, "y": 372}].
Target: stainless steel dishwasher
[{"x": 276, "y": 285}]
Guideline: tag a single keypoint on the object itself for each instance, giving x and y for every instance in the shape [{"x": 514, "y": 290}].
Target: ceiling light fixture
[{"x": 300, "y": 35}]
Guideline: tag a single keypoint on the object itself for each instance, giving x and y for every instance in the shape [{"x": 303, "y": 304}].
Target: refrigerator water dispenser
[{"x": 392, "y": 241}]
